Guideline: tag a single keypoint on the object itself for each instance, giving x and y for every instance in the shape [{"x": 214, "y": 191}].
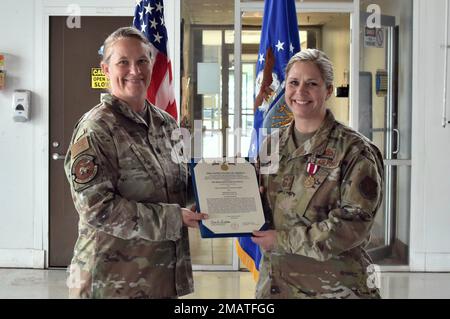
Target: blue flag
[{"x": 279, "y": 42}]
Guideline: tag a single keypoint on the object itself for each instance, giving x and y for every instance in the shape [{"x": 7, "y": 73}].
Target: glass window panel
[
  {"x": 212, "y": 37},
  {"x": 247, "y": 36},
  {"x": 203, "y": 32}
]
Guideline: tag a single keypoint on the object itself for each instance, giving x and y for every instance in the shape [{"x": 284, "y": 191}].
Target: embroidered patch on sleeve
[
  {"x": 368, "y": 188},
  {"x": 84, "y": 169},
  {"x": 80, "y": 146}
]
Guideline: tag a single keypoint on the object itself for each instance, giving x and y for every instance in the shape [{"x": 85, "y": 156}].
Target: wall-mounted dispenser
[{"x": 21, "y": 105}]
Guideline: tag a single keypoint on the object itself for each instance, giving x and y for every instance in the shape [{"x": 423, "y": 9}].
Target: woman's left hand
[
  {"x": 265, "y": 238},
  {"x": 191, "y": 218}
]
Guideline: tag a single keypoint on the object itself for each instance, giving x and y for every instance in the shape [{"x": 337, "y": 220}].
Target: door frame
[
  {"x": 226, "y": 50},
  {"x": 44, "y": 9},
  {"x": 391, "y": 162}
]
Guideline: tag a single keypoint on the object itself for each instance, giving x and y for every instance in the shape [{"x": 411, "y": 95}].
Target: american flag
[{"x": 149, "y": 19}]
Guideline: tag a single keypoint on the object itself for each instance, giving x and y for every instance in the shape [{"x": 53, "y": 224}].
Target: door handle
[
  {"x": 398, "y": 141},
  {"x": 56, "y": 156}
]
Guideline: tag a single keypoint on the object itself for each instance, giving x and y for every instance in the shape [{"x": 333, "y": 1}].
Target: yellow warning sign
[{"x": 98, "y": 79}]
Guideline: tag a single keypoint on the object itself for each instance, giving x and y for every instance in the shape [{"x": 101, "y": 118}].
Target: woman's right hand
[{"x": 191, "y": 218}]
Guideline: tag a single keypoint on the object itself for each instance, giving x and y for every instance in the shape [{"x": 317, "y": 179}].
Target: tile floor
[{"x": 50, "y": 284}]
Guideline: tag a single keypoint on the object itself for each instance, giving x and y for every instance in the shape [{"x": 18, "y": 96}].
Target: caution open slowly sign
[
  {"x": 374, "y": 37},
  {"x": 98, "y": 79}
]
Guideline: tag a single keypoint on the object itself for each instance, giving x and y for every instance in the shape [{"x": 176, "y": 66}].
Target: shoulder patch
[
  {"x": 84, "y": 169},
  {"x": 80, "y": 146},
  {"x": 368, "y": 188}
]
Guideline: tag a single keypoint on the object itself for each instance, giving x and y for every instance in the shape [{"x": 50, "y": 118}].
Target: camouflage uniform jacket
[
  {"x": 128, "y": 192},
  {"x": 323, "y": 222}
]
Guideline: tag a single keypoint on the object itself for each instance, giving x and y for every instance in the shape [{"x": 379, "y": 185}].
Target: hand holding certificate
[{"x": 228, "y": 192}]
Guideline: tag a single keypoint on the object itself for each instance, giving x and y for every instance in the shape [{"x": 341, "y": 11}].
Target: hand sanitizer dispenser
[{"x": 21, "y": 105}]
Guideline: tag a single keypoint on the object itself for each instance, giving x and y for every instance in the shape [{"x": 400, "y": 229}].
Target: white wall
[
  {"x": 430, "y": 205},
  {"x": 20, "y": 232}
]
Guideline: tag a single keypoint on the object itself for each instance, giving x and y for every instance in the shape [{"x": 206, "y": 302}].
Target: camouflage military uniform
[
  {"x": 324, "y": 221},
  {"x": 128, "y": 192}
]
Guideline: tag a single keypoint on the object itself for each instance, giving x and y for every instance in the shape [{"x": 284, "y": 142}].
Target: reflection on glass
[{"x": 216, "y": 251}]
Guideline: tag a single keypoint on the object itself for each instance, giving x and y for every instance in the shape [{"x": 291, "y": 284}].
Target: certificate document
[{"x": 229, "y": 193}]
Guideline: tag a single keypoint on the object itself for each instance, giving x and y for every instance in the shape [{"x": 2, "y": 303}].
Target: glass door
[
  {"x": 211, "y": 80},
  {"x": 387, "y": 127}
]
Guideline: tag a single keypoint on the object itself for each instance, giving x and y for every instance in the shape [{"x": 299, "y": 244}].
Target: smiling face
[
  {"x": 129, "y": 70},
  {"x": 306, "y": 92}
]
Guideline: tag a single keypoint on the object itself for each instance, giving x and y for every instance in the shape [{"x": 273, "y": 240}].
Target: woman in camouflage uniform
[
  {"x": 323, "y": 197},
  {"x": 129, "y": 187}
]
